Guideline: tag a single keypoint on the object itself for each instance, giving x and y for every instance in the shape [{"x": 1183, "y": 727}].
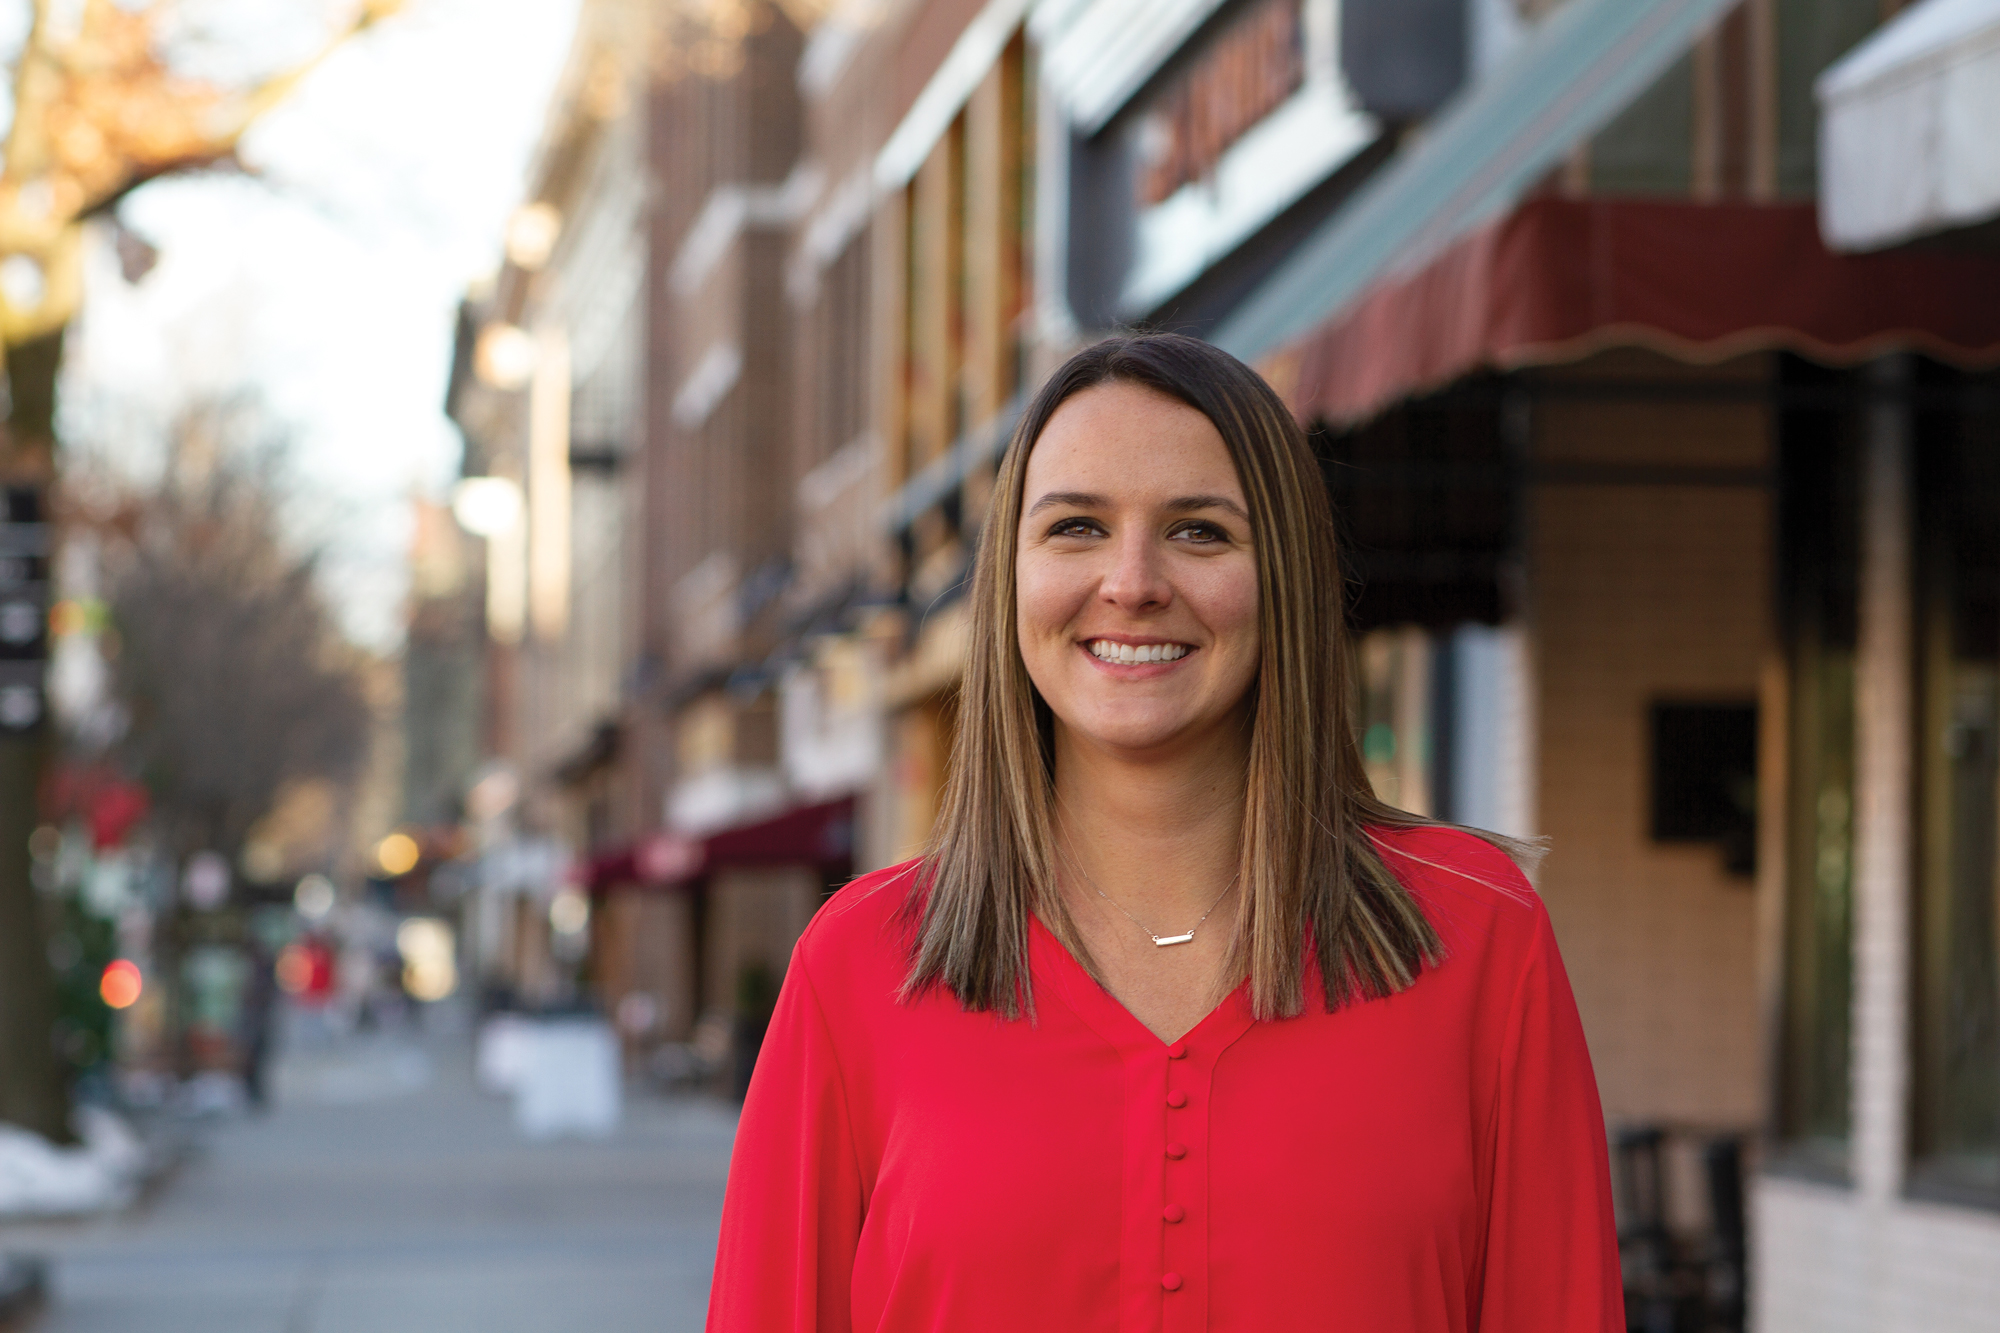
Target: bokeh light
[
  {"x": 569, "y": 912},
  {"x": 486, "y": 506},
  {"x": 532, "y": 233},
  {"x": 314, "y": 897},
  {"x": 397, "y": 854},
  {"x": 504, "y": 356},
  {"x": 45, "y": 843},
  {"x": 430, "y": 964},
  {"x": 67, "y": 617},
  {"x": 121, "y": 983},
  {"x": 294, "y": 969}
]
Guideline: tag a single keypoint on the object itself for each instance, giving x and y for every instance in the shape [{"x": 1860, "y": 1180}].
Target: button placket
[
  {"x": 1174, "y": 1212},
  {"x": 1182, "y": 1253},
  {"x": 1184, "y": 1111}
]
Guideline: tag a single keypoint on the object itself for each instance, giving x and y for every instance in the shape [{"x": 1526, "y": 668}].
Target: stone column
[{"x": 1883, "y": 792}]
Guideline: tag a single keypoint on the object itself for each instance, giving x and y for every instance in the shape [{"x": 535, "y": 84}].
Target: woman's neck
[{"x": 1158, "y": 833}]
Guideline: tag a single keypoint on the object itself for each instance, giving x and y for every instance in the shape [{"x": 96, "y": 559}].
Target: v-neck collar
[{"x": 1050, "y": 962}]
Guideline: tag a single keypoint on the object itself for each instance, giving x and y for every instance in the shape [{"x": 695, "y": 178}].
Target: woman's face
[{"x": 1137, "y": 610}]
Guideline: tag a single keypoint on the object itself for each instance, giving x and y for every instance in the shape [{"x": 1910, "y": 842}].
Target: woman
[{"x": 1174, "y": 1027}]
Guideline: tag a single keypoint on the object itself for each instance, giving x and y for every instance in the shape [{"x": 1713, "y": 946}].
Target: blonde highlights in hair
[{"x": 1314, "y": 887}]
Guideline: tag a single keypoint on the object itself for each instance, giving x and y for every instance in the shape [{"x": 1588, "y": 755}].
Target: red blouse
[{"x": 1431, "y": 1161}]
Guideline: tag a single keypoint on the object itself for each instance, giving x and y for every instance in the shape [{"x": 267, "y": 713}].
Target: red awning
[
  {"x": 1558, "y": 279},
  {"x": 812, "y": 835}
]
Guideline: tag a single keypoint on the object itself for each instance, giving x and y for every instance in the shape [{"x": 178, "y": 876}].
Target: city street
[
  {"x": 508, "y": 506},
  {"x": 386, "y": 1193}
]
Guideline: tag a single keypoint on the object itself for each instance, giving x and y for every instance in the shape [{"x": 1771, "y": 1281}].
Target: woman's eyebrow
[
  {"x": 1179, "y": 505},
  {"x": 1068, "y": 500},
  {"x": 1188, "y": 503}
]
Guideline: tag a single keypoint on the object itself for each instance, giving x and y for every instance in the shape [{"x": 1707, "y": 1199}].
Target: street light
[
  {"x": 504, "y": 356},
  {"x": 531, "y": 235},
  {"x": 487, "y": 506}
]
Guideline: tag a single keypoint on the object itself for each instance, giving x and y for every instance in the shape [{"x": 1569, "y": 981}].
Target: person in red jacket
[{"x": 1175, "y": 1026}]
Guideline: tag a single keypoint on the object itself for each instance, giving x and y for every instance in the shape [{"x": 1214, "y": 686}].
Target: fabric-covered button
[
  {"x": 1177, "y": 1050},
  {"x": 1174, "y": 1212},
  {"x": 1176, "y": 1150},
  {"x": 1171, "y": 1281},
  {"x": 1177, "y": 1100}
]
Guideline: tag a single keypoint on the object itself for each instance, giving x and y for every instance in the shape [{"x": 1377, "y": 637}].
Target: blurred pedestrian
[
  {"x": 1175, "y": 1024},
  {"x": 260, "y": 1002}
]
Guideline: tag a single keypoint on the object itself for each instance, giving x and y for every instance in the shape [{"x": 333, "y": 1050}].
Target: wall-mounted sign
[
  {"x": 1243, "y": 76},
  {"x": 24, "y": 608}
]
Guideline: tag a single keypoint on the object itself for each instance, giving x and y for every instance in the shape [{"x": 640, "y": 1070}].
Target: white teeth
[{"x": 1127, "y": 654}]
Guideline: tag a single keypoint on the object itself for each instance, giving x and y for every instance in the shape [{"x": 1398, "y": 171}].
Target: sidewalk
[{"x": 385, "y": 1194}]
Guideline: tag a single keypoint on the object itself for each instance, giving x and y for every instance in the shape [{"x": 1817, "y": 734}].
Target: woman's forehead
[{"x": 1128, "y": 442}]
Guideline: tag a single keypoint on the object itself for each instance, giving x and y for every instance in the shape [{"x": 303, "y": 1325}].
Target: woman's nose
[{"x": 1137, "y": 579}]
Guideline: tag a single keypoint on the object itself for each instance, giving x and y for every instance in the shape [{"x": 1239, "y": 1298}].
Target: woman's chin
[{"x": 1141, "y": 736}]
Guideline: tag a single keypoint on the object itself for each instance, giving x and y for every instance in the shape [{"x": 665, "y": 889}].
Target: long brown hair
[{"x": 1312, "y": 879}]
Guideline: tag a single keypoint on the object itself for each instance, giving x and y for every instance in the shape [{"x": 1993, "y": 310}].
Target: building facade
[{"x": 549, "y": 388}]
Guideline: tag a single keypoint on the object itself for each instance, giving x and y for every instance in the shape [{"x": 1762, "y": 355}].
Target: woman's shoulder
[
  {"x": 860, "y": 935},
  {"x": 1460, "y": 879}
]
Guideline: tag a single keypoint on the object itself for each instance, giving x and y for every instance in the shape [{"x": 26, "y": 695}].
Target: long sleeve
[
  {"x": 792, "y": 1214},
  {"x": 1551, "y": 1254}
]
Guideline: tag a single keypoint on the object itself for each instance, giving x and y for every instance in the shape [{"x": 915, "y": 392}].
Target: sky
[{"x": 326, "y": 284}]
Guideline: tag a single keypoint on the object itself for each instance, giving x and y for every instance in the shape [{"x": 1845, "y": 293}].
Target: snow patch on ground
[{"x": 101, "y": 1174}]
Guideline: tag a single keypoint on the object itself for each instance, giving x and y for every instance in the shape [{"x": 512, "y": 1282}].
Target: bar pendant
[{"x": 1164, "y": 940}]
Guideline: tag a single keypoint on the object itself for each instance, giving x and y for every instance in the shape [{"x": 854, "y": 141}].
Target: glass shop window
[
  {"x": 1394, "y": 717},
  {"x": 1819, "y": 524},
  {"x": 1956, "y": 1121}
]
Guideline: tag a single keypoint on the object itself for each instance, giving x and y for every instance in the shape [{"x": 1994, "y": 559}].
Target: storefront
[
  {"x": 1744, "y": 550},
  {"x": 702, "y": 929}
]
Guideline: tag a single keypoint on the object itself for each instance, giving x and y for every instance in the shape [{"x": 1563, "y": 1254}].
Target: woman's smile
[{"x": 1129, "y": 653}]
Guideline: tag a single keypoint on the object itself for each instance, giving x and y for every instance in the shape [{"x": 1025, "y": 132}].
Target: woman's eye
[
  {"x": 1074, "y": 527},
  {"x": 1200, "y": 534}
]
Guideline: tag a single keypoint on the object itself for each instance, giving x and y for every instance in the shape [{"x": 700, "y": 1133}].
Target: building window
[
  {"x": 1819, "y": 525},
  {"x": 843, "y": 350},
  {"x": 1705, "y": 778},
  {"x": 1956, "y": 1124}
]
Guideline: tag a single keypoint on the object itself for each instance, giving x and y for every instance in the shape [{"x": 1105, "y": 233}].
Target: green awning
[{"x": 1474, "y": 160}]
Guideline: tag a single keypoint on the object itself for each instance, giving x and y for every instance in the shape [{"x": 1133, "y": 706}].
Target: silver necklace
[{"x": 1160, "y": 940}]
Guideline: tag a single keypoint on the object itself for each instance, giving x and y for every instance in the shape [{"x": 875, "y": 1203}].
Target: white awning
[{"x": 1910, "y": 127}]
